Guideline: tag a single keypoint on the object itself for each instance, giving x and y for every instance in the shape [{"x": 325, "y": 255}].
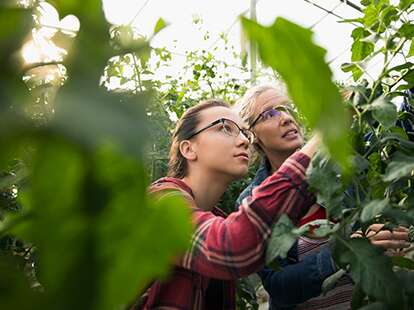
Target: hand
[
  {"x": 312, "y": 145},
  {"x": 390, "y": 240}
]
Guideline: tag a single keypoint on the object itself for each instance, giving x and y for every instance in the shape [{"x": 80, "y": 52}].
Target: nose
[
  {"x": 242, "y": 140},
  {"x": 286, "y": 119}
]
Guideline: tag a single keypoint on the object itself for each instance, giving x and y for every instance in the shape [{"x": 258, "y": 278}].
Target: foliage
[
  {"x": 78, "y": 152},
  {"x": 80, "y": 180},
  {"x": 378, "y": 189}
]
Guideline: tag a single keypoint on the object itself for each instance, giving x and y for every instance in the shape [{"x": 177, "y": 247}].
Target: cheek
[
  {"x": 268, "y": 133},
  {"x": 217, "y": 147}
]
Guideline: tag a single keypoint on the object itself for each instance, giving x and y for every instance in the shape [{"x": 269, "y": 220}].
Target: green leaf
[
  {"x": 400, "y": 166},
  {"x": 409, "y": 78},
  {"x": 407, "y": 279},
  {"x": 403, "y": 262},
  {"x": 323, "y": 178},
  {"x": 370, "y": 268},
  {"x": 373, "y": 11},
  {"x": 361, "y": 49},
  {"x": 374, "y": 306},
  {"x": 354, "y": 68},
  {"x": 161, "y": 24},
  {"x": 288, "y": 48},
  {"x": 13, "y": 178},
  {"x": 161, "y": 230},
  {"x": 330, "y": 282},
  {"x": 358, "y": 297},
  {"x": 347, "y": 67},
  {"x": 15, "y": 23},
  {"x": 407, "y": 30},
  {"x": 405, "y": 4},
  {"x": 411, "y": 51},
  {"x": 384, "y": 112},
  {"x": 359, "y": 33},
  {"x": 281, "y": 240},
  {"x": 101, "y": 117},
  {"x": 372, "y": 209},
  {"x": 388, "y": 15}
]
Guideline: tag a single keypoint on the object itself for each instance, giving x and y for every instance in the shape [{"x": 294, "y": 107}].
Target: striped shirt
[{"x": 339, "y": 298}]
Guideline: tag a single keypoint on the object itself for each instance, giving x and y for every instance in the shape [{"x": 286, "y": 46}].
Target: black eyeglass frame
[
  {"x": 280, "y": 108},
  {"x": 222, "y": 120}
]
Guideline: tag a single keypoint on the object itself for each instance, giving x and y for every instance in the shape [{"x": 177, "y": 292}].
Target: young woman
[
  {"x": 268, "y": 113},
  {"x": 208, "y": 152}
]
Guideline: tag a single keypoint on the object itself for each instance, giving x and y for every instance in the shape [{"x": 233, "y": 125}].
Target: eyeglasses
[
  {"x": 273, "y": 112},
  {"x": 228, "y": 127}
]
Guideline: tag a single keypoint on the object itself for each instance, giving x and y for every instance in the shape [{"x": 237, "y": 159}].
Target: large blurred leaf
[
  {"x": 95, "y": 229},
  {"x": 135, "y": 249},
  {"x": 92, "y": 117},
  {"x": 15, "y": 292},
  {"x": 99, "y": 239},
  {"x": 288, "y": 48},
  {"x": 14, "y": 26},
  {"x": 370, "y": 268},
  {"x": 91, "y": 49}
]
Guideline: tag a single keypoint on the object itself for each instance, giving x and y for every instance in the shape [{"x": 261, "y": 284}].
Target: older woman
[{"x": 268, "y": 113}]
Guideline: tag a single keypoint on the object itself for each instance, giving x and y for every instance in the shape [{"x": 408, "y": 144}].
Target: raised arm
[{"x": 232, "y": 247}]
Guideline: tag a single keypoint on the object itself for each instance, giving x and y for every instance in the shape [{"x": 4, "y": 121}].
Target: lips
[
  {"x": 242, "y": 155},
  {"x": 290, "y": 132}
]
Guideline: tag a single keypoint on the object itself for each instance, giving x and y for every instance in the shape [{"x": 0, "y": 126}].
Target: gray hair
[
  {"x": 246, "y": 108},
  {"x": 246, "y": 105}
]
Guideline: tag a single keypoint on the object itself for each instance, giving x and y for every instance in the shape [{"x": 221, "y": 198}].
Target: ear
[{"x": 187, "y": 150}]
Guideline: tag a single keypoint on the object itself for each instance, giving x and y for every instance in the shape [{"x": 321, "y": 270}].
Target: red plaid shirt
[{"x": 224, "y": 248}]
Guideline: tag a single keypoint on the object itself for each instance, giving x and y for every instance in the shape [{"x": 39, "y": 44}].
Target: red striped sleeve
[{"x": 232, "y": 247}]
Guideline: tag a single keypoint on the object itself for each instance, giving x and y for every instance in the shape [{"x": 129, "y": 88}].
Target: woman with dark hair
[{"x": 210, "y": 149}]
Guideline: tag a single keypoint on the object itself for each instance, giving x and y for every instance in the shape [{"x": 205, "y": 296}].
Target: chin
[
  {"x": 240, "y": 173},
  {"x": 296, "y": 145}
]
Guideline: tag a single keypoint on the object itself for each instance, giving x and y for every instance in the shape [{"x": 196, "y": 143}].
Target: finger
[
  {"x": 391, "y": 244},
  {"x": 387, "y": 235},
  {"x": 401, "y": 228},
  {"x": 375, "y": 227},
  {"x": 357, "y": 234}
]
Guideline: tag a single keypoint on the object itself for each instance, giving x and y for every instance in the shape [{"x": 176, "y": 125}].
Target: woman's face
[
  {"x": 221, "y": 148},
  {"x": 276, "y": 133}
]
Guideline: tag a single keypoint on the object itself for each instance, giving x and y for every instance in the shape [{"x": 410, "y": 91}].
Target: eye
[
  {"x": 270, "y": 114},
  {"x": 224, "y": 127}
]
